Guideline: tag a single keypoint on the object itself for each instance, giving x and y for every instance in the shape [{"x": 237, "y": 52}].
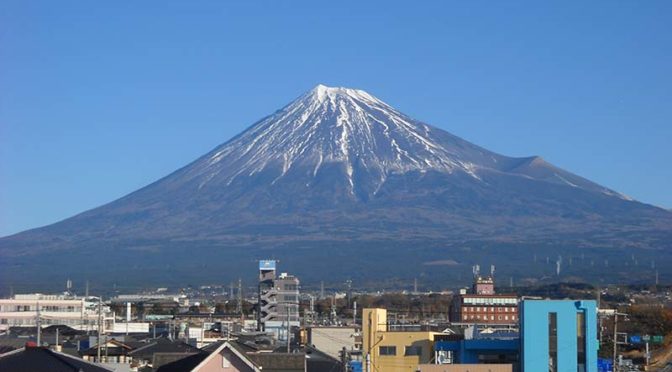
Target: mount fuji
[{"x": 338, "y": 176}]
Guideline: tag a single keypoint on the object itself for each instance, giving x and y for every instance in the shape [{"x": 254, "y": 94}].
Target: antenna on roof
[{"x": 492, "y": 271}]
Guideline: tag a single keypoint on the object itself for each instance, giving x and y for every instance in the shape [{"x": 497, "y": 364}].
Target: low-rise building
[
  {"x": 76, "y": 312},
  {"x": 556, "y": 335},
  {"x": 387, "y": 350},
  {"x": 34, "y": 358}
]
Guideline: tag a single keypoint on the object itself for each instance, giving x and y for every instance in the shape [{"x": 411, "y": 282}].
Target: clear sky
[{"x": 99, "y": 98}]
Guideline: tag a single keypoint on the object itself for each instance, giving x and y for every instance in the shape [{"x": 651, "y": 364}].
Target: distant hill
[{"x": 340, "y": 184}]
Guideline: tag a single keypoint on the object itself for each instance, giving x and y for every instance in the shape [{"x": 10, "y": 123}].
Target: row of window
[
  {"x": 491, "y": 309},
  {"x": 33, "y": 308},
  {"x": 392, "y": 350},
  {"x": 485, "y": 317},
  {"x": 490, "y": 300},
  {"x": 44, "y": 322}
]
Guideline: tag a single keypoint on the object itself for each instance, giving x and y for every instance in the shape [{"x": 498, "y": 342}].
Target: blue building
[
  {"x": 555, "y": 336},
  {"x": 558, "y": 336}
]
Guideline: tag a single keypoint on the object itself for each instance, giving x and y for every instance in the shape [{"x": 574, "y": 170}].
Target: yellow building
[{"x": 391, "y": 351}]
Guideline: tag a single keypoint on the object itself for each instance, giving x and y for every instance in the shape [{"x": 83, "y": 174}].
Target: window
[
  {"x": 581, "y": 341},
  {"x": 552, "y": 341},
  {"x": 387, "y": 350},
  {"x": 413, "y": 350}
]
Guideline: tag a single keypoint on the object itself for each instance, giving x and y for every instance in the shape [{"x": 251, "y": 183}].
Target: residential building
[
  {"x": 236, "y": 356},
  {"x": 393, "y": 350},
  {"x": 34, "y": 358}
]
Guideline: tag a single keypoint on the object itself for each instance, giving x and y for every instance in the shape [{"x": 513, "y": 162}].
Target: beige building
[
  {"x": 23, "y": 311},
  {"x": 385, "y": 350},
  {"x": 332, "y": 340}
]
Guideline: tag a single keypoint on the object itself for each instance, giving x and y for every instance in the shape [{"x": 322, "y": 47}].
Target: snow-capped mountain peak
[{"x": 346, "y": 127}]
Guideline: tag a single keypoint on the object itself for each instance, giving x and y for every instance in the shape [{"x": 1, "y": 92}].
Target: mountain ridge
[{"x": 338, "y": 167}]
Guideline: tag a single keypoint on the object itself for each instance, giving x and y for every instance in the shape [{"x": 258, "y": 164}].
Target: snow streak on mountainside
[{"x": 368, "y": 139}]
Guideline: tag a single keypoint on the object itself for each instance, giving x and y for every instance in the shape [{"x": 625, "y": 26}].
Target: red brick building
[{"x": 483, "y": 306}]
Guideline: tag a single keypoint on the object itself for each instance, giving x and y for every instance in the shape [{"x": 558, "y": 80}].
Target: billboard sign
[{"x": 266, "y": 264}]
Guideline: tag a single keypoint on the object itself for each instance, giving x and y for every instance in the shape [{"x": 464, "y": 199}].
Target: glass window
[
  {"x": 413, "y": 350},
  {"x": 552, "y": 342},
  {"x": 387, "y": 350},
  {"x": 581, "y": 341}
]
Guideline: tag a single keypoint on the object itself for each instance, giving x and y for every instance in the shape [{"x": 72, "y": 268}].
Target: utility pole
[
  {"x": 100, "y": 316},
  {"x": 288, "y": 327},
  {"x": 321, "y": 290},
  {"x": 415, "y": 285},
  {"x": 615, "y": 340},
  {"x": 616, "y": 314},
  {"x": 56, "y": 338},
  {"x": 39, "y": 325},
  {"x": 86, "y": 290},
  {"x": 344, "y": 359},
  {"x": 239, "y": 304}
]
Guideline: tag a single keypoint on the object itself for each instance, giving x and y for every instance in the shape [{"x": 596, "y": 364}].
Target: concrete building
[
  {"x": 332, "y": 340},
  {"x": 386, "y": 350},
  {"x": 480, "y": 344},
  {"x": 80, "y": 313},
  {"x": 278, "y": 301},
  {"x": 558, "y": 336},
  {"x": 555, "y": 336},
  {"x": 482, "y": 305}
]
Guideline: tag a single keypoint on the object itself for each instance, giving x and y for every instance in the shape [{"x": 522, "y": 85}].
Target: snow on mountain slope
[{"x": 366, "y": 138}]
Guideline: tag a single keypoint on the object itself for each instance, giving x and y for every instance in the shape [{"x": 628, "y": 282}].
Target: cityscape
[
  {"x": 351, "y": 186},
  {"x": 275, "y": 324}
]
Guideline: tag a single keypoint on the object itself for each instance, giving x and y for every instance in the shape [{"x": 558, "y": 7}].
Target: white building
[{"x": 76, "y": 312}]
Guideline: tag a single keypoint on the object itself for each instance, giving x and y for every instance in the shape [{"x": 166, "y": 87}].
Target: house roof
[
  {"x": 162, "y": 345},
  {"x": 118, "y": 348},
  {"x": 43, "y": 359},
  {"x": 318, "y": 361},
  {"x": 184, "y": 364}
]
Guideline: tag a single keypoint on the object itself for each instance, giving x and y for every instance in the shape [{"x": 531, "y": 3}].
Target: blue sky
[{"x": 98, "y": 99}]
